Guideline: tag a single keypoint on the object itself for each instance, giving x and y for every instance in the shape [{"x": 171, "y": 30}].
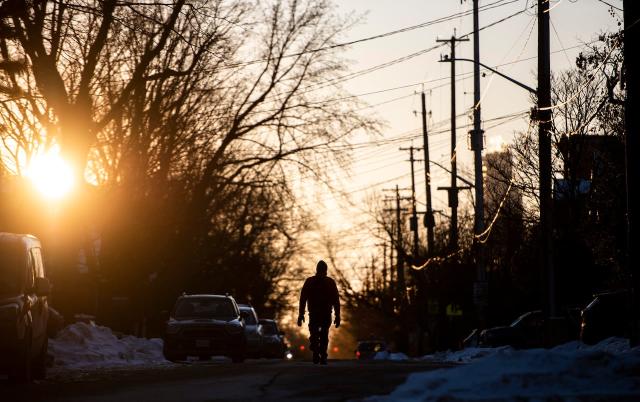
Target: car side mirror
[{"x": 42, "y": 287}]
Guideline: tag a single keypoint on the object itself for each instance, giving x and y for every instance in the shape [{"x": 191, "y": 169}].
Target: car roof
[
  {"x": 205, "y": 296},
  {"x": 612, "y": 293},
  {"x": 27, "y": 239}
]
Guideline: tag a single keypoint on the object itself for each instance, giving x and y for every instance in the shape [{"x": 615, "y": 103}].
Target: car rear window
[
  {"x": 12, "y": 267},
  {"x": 269, "y": 328},
  {"x": 204, "y": 308},
  {"x": 248, "y": 316}
]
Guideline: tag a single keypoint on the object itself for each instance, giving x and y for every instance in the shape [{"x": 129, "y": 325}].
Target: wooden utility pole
[
  {"x": 453, "y": 190},
  {"x": 400, "y": 280},
  {"x": 632, "y": 150},
  {"x": 480, "y": 288},
  {"x": 413, "y": 223},
  {"x": 429, "y": 221},
  {"x": 399, "y": 250},
  {"x": 477, "y": 144},
  {"x": 544, "y": 117}
]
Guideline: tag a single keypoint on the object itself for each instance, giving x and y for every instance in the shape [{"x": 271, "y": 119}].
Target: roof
[
  {"x": 28, "y": 239},
  {"x": 206, "y": 296}
]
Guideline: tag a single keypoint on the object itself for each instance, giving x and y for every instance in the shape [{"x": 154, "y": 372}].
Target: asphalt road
[{"x": 254, "y": 380}]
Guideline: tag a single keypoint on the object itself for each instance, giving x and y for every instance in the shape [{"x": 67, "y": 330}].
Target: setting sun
[{"x": 51, "y": 175}]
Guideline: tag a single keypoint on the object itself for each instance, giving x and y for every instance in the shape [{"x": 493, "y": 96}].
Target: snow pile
[
  {"x": 573, "y": 371},
  {"x": 466, "y": 355},
  {"x": 386, "y": 355},
  {"x": 83, "y": 345}
]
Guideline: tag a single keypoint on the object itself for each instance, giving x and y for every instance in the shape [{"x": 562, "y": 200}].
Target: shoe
[
  {"x": 323, "y": 360},
  {"x": 316, "y": 358}
]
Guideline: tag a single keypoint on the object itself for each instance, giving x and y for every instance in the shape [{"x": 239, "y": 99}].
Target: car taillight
[{"x": 357, "y": 354}]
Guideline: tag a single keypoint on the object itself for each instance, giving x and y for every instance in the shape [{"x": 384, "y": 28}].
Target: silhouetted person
[{"x": 321, "y": 294}]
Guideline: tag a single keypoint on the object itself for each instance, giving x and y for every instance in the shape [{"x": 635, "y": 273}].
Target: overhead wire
[{"x": 495, "y": 4}]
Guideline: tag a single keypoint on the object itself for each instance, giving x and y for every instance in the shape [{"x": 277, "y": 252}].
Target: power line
[
  {"x": 489, "y": 6},
  {"x": 611, "y": 5}
]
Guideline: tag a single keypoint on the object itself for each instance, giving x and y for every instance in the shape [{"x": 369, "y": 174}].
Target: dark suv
[
  {"x": 23, "y": 307},
  {"x": 204, "y": 326}
]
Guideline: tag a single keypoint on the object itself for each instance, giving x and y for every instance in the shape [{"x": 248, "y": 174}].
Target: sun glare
[{"x": 51, "y": 175}]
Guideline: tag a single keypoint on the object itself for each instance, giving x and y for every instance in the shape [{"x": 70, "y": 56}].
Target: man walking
[{"x": 321, "y": 293}]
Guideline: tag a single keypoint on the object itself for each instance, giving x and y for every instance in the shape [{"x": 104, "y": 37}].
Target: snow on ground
[
  {"x": 87, "y": 346},
  {"x": 386, "y": 355},
  {"x": 568, "y": 372},
  {"x": 466, "y": 355}
]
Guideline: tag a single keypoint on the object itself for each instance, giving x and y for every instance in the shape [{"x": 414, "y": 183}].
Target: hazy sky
[{"x": 574, "y": 22}]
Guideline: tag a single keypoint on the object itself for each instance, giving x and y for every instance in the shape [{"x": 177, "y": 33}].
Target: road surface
[{"x": 254, "y": 380}]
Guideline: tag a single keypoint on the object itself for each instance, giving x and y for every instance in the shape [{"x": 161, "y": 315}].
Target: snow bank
[
  {"x": 571, "y": 371},
  {"x": 83, "y": 345},
  {"x": 466, "y": 355},
  {"x": 386, "y": 355}
]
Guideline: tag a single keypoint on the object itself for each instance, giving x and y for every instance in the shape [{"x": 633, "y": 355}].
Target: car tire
[
  {"x": 20, "y": 370},
  {"x": 39, "y": 364}
]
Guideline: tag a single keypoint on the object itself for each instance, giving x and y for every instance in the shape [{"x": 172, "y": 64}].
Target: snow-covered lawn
[
  {"x": 569, "y": 372},
  {"x": 86, "y": 346}
]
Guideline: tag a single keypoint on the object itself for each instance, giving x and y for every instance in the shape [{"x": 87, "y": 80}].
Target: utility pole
[
  {"x": 544, "y": 156},
  {"x": 384, "y": 265},
  {"x": 480, "y": 289},
  {"x": 400, "y": 280},
  {"x": 399, "y": 251},
  {"x": 413, "y": 222},
  {"x": 632, "y": 149},
  {"x": 429, "y": 222},
  {"x": 453, "y": 190}
]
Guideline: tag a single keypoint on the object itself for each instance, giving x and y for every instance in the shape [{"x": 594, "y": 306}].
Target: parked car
[
  {"x": 204, "y": 325},
  {"x": 253, "y": 330},
  {"x": 366, "y": 350},
  {"x": 527, "y": 331},
  {"x": 607, "y": 315},
  {"x": 273, "y": 344},
  {"x": 24, "y": 310},
  {"x": 472, "y": 340}
]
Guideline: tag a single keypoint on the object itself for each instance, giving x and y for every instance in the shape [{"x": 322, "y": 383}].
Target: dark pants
[{"x": 319, "y": 333}]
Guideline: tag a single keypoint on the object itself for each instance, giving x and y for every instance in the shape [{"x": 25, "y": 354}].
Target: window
[
  {"x": 12, "y": 264},
  {"x": 204, "y": 308},
  {"x": 248, "y": 316},
  {"x": 31, "y": 273},
  {"x": 36, "y": 255},
  {"x": 269, "y": 328}
]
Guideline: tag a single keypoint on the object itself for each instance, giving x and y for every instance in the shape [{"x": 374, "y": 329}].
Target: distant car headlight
[{"x": 289, "y": 355}]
